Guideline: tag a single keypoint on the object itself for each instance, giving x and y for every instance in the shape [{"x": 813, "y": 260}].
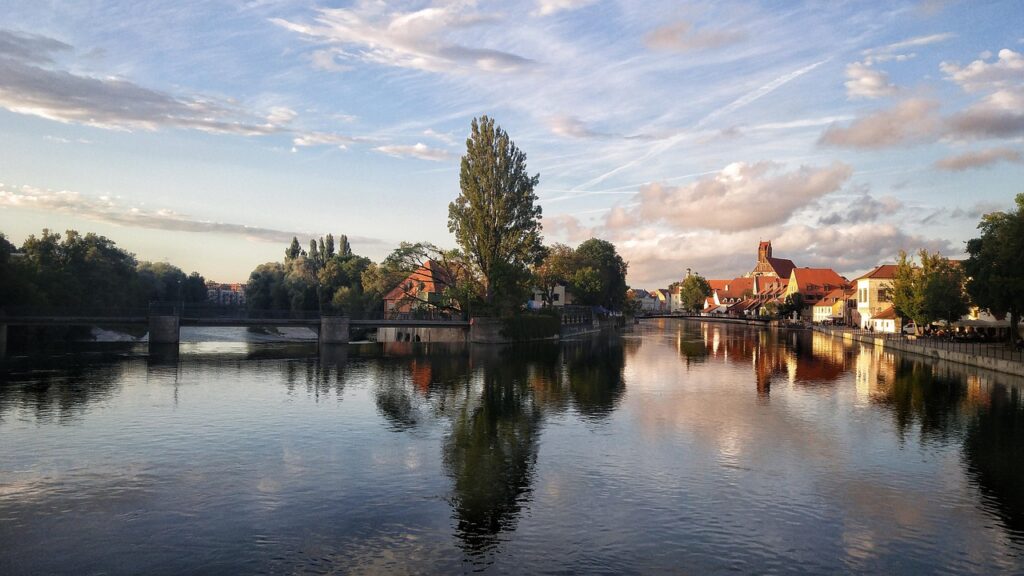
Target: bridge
[{"x": 164, "y": 322}]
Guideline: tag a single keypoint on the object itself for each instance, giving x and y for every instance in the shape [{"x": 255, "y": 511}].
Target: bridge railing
[{"x": 206, "y": 312}]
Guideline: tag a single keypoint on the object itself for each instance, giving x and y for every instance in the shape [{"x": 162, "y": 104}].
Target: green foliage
[
  {"x": 88, "y": 271},
  {"x": 793, "y": 303},
  {"x": 556, "y": 268},
  {"x": 600, "y": 277},
  {"x": 693, "y": 291},
  {"x": 495, "y": 219},
  {"x": 929, "y": 292},
  {"x": 996, "y": 264},
  {"x": 163, "y": 282},
  {"x": 460, "y": 289},
  {"x": 324, "y": 278}
]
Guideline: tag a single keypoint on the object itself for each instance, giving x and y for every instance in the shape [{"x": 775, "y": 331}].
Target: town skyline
[{"x": 207, "y": 135}]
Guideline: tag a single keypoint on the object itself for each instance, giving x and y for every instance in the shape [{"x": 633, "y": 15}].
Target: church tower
[{"x": 764, "y": 251}]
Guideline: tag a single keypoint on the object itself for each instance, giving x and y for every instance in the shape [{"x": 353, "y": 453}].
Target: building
[
  {"x": 874, "y": 293},
  {"x": 225, "y": 294},
  {"x": 424, "y": 288},
  {"x": 885, "y": 321},
  {"x": 560, "y": 296},
  {"x": 813, "y": 284},
  {"x": 767, "y": 265},
  {"x": 831, "y": 308}
]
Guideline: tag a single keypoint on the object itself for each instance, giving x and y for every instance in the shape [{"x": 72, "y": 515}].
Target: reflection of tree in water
[
  {"x": 59, "y": 387},
  {"x": 595, "y": 375},
  {"x": 919, "y": 396},
  {"x": 495, "y": 400},
  {"x": 994, "y": 450},
  {"x": 491, "y": 453}
]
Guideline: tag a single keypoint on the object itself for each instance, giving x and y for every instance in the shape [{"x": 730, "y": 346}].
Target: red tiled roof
[
  {"x": 883, "y": 272},
  {"x": 430, "y": 278},
  {"x": 817, "y": 281},
  {"x": 887, "y": 314}
]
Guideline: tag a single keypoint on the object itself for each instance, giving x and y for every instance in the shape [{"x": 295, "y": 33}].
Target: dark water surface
[{"x": 679, "y": 448}]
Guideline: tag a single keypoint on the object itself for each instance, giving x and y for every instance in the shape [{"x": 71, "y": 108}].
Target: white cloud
[
  {"x": 863, "y": 81},
  {"x": 549, "y": 7},
  {"x": 418, "y": 150},
  {"x": 683, "y": 37},
  {"x": 417, "y": 39},
  {"x": 909, "y": 43},
  {"x": 979, "y": 159},
  {"x": 325, "y": 139},
  {"x": 911, "y": 120},
  {"x": 1006, "y": 70},
  {"x": 736, "y": 198}
]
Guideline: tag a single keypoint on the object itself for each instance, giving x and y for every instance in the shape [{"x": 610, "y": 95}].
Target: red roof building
[{"x": 425, "y": 285}]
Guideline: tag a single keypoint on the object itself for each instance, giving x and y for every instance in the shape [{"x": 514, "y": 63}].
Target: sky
[{"x": 208, "y": 133}]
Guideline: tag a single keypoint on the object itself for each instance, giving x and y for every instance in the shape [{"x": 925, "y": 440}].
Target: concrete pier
[
  {"x": 3, "y": 338},
  {"x": 164, "y": 330},
  {"x": 333, "y": 330}
]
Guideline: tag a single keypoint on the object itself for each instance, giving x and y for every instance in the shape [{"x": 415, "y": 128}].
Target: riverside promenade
[{"x": 991, "y": 356}]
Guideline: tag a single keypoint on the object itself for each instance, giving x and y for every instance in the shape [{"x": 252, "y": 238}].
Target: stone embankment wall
[
  {"x": 427, "y": 334},
  {"x": 981, "y": 361}
]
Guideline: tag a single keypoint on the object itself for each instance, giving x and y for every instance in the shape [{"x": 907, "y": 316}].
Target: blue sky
[{"x": 208, "y": 133}]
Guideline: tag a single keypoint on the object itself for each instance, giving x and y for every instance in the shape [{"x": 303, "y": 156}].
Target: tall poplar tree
[{"x": 495, "y": 219}]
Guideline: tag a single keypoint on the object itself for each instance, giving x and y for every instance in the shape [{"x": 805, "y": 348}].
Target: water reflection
[{"x": 673, "y": 444}]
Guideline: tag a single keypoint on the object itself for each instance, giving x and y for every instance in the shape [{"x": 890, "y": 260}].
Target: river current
[{"x": 680, "y": 447}]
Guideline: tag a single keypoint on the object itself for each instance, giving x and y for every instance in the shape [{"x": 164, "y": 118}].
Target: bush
[{"x": 524, "y": 327}]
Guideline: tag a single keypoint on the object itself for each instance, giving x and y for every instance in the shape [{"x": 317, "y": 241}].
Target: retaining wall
[{"x": 987, "y": 362}]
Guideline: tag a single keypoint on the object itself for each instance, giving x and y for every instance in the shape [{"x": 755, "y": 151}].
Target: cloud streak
[
  {"x": 416, "y": 39},
  {"x": 418, "y": 150},
  {"x": 111, "y": 211},
  {"x": 979, "y": 159},
  {"x": 30, "y": 85}
]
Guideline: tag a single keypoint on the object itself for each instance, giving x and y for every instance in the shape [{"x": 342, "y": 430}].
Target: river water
[{"x": 678, "y": 448}]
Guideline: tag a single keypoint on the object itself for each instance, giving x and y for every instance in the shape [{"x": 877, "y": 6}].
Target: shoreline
[{"x": 1002, "y": 365}]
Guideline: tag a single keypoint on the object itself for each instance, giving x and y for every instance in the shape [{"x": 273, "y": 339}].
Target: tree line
[{"x": 76, "y": 271}]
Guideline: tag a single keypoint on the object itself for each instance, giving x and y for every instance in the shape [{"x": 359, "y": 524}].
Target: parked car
[{"x": 910, "y": 328}]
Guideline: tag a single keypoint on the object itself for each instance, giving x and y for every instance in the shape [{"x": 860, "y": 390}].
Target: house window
[{"x": 555, "y": 297}]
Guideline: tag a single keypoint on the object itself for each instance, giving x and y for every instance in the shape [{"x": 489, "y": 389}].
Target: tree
[
  {"x": 556, "y": 268},
  {"x": 600, "y": 278},
  {"x": 793, "y": 303},
  {"x": 995, "y": 267},
  {"x": 929, "y": 292},
  {"x": 449, "y": 271},
  {"x": 495, "y": 219},
  {"x": 294, "y": 250},
  {"x": 693, "y": 290}
]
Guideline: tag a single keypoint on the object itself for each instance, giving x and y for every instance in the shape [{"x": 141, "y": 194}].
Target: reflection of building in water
[{"x": 875, "y": 372}]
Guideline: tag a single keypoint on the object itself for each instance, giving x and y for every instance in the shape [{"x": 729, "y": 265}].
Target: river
[{"x": 681, "y": 447}]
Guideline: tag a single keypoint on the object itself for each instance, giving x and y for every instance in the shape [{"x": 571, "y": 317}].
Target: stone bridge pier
[
  {"x": 333, "y": 330},
  {"x": 164, "y": 329}
]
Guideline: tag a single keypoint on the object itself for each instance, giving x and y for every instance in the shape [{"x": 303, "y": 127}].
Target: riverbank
[
  {"x": 989, "y": 362},
  {"x": 721, "y": 319}
]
